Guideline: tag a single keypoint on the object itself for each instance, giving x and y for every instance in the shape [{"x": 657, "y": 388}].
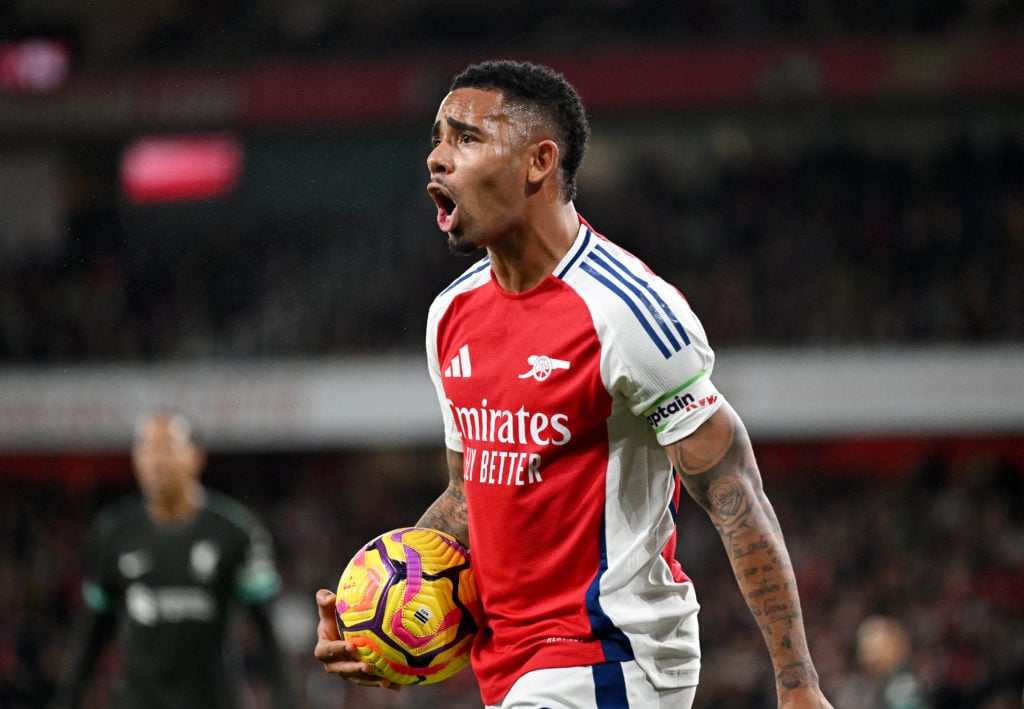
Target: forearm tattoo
[
  {"x": 731, "y": 493},
  {"x": 448, "y": 512}
]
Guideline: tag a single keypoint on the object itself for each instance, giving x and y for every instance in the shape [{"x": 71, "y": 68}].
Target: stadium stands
[{"x": 864, "y": 188}]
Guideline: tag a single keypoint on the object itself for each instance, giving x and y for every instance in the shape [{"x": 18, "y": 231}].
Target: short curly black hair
[{"x": 544, "y": 90}]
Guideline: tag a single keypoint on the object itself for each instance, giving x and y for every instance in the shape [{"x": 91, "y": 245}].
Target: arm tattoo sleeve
[
  {"x": 448, "y": 512},
  {"x": 730, "y": 491}
]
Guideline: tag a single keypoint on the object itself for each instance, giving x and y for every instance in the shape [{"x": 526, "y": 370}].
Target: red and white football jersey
[{"x": 560, "y": 399}]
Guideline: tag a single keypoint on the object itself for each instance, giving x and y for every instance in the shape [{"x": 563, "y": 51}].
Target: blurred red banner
[{"x": 184, "y": 167}]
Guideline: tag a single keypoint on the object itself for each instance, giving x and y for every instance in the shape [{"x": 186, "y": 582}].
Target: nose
[{"x": 438, "y": 162}]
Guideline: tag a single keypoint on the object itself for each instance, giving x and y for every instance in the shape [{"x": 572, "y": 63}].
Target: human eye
[{"x": 466, "y": 138}]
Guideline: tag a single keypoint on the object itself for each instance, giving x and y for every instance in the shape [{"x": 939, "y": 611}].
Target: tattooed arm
[
  {"x": 448, "y": 512},
  {"x": 717, "y": 467}
]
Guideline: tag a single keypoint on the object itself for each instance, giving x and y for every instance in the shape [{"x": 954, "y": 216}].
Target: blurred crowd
[
  {"x": 937, "y": 550},
  {"x": 118, "y": 33},
  {"x": 833, "y": 245}
]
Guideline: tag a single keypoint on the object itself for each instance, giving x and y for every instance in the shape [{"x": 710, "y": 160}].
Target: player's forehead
[
  {"x": 169, "y": 428},
  {"x": 480, "y": 108}
]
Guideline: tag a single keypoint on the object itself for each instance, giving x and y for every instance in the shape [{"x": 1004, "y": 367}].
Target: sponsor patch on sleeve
[{"x": 684, "y": 408}]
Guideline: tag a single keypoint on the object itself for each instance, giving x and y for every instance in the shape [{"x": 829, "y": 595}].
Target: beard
[{"x": 460, "y": 246}]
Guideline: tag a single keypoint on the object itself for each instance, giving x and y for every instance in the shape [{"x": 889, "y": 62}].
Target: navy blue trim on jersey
[
  {"x": 610, "y": 686},
  {"x": 579, "y": 252},
  {"x": 622, "y": 271},
  {"x": 614, "y": 644},
  {"x": 484, "y": 263},
  {"x": 673, "y": 507},
  {"x": 658, "y": 317},
  {"x": 632, "y": 306}
]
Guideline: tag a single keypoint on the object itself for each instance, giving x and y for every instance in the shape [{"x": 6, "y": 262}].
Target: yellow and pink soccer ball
[{"x": 408, "y": 602}]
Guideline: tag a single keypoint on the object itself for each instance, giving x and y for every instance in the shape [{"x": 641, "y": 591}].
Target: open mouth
[{"x": 447, "y": 210}]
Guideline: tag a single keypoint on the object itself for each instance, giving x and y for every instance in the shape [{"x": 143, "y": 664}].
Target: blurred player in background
[
  {"x": 566, "y": 371},
  {"x": 167, "y": 569},
  {"x": 882, "y": 647}
]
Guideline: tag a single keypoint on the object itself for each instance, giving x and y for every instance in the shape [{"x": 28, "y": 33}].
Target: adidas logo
[{"x": 460, "y": 366}]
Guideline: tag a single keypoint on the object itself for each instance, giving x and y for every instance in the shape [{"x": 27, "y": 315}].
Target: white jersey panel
[
  {"x": 654, "y": 356},
  {"x": 655, "y": 349},
  {"x": 475, "y": 276}
]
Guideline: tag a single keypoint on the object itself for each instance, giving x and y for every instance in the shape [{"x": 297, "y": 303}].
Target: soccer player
[
  {"x": 578, "y": 401},
  {"x": 167, "y": 569},
  {"x": 882, "y": 647}
]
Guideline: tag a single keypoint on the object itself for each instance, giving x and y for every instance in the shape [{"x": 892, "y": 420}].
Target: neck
[
  {"x": 521, "y": 260},
  {"x": 179, "y": 509}
]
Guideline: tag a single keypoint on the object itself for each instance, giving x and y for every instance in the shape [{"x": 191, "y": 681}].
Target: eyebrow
[{"x": 457, "y": 125}]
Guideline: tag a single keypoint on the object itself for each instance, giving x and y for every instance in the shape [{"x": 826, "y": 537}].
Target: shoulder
[
  {"x": 607, "y": 272},
  {"x": 473, "y": 277},
  {"x": 618, "y": 285},
  {"x": 124, "y": 513},
  {"x": 615, "y": 261},
  {"x": 647, "y": 329},
  {"x": 230, "y": 512}
]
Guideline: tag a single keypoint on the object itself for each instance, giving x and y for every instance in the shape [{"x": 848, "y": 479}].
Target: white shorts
[{"x": 611, "y": 685}]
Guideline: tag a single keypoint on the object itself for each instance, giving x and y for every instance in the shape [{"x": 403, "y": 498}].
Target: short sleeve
[
  {"x": 452, "y": 436},
  {"x": 659, "y": 358}
]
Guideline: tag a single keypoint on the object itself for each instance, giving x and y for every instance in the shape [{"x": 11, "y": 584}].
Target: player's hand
[{"x": 339, "y": 656}]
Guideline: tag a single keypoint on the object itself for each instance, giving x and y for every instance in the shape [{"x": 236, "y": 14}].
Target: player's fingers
[
  {"x": 327, "y": 628},
  {"x": 329, "y": 650},
  {"x": 340, "y": 662},
  {"x": 371, "y": 680},
  {"x": 325, "y": 603},
  {"x": 337, "y": 655},
  {"x": 351, "y": 669},
  {"x": 338, "y": 658}
]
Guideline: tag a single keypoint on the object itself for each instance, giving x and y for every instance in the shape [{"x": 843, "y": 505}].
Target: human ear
[{"x": 543, "y": 161}]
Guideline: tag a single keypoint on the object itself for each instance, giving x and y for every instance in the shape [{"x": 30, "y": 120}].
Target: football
[{"x": 408, "y": 602}]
